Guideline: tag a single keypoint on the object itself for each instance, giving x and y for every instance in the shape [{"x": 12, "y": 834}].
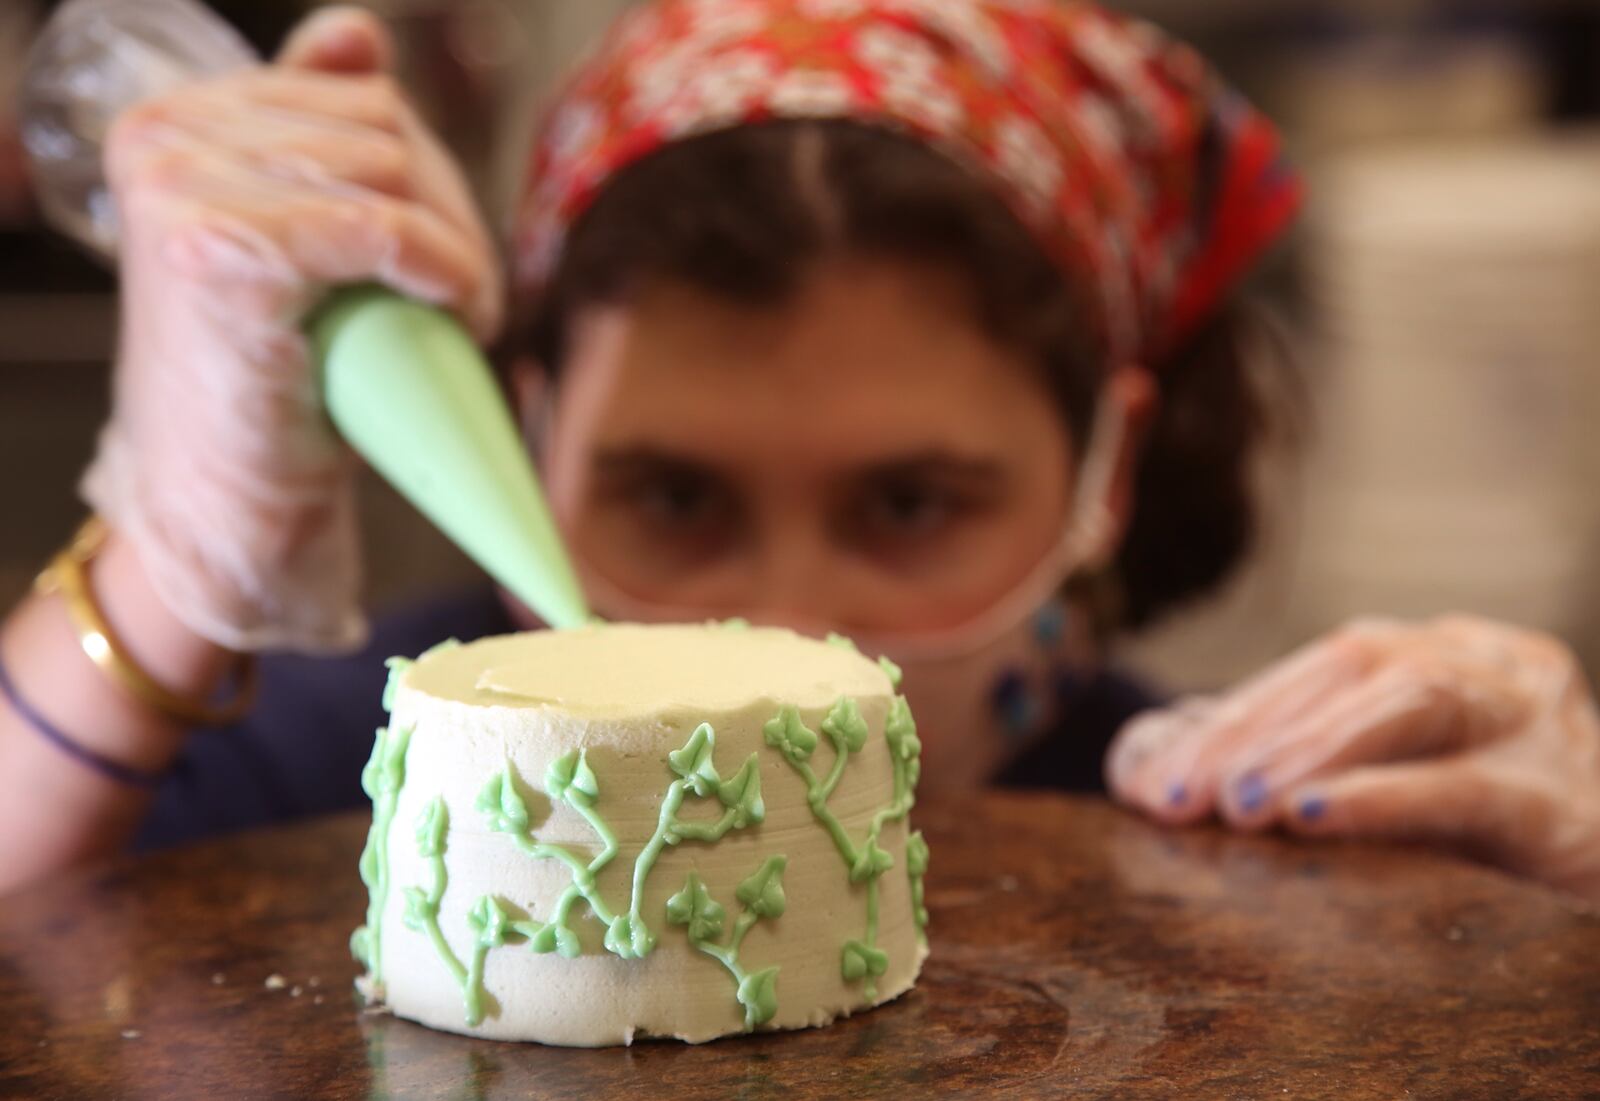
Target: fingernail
[
  {"x": 1251, "y": 792},
  {"x": 1177, "y": 795},
  {"x": 1312, "y": 808}
]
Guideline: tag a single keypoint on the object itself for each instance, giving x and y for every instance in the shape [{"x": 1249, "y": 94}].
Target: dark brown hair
[{"x": 744, "y": 214}]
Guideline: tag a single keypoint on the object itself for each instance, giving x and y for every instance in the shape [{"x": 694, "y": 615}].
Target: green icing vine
[
  {"x": 570, "y": 779},
  {"x": 487, "y": 920},
  {"x": 382, "y": 779},
  {"x": 844, "y": 727},
  {"x": 761, "y": 896}
]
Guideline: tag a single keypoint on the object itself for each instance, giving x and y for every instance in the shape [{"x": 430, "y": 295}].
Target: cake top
[{"x": 618, "y": 671}]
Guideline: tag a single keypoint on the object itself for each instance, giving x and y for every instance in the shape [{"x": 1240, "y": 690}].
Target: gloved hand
[
  {"x": 1458, "y": 732},
  {"x": 242, "y": 201}
]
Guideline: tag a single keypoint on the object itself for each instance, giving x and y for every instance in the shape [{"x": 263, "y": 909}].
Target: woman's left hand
[{"x": 1459, "y": 732}]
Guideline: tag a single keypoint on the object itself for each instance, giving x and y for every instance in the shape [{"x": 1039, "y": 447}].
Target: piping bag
[{"x": 402, "y": 381}]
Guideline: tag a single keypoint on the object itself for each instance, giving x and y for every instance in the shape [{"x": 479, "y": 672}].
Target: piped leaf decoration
[
  {"x": 758, "y": 993},
  {"x": 369, "y": 863},
  {"x": 398, "y": 667},
  {"x": 859, "y": 960},
  {"x": 431, "y": 826},
  {"x": 737, "y": 623},
  {"x": 569, "y": 777},
  {"x": 762, "y": 894},
  {"x": 584, "y": 780},
  {"x": 916, "y": 854},
  {"x": 871, "y": 860},
  {"x": 502, "y": 805},
  {"x": 551, "y": 938},
  {"x": 361, "y": 946},
  {"x": 385, "y": 771},
  {"x": 742, "y": 792},
  {"x": 842, "y": 642},
  {"x": 487, "y": 920},
  {"x": 629, "y": 939},
  {"x": 895, "y": 674},
  {"x": 419, "y": 910},
  {"x": 693, "y": 762},
  {"x": 900, "y": 730},
  {"x": 789, "y": 735},
  {"x": 695, "y": 908},
  {"x": 844, "y": 725}
]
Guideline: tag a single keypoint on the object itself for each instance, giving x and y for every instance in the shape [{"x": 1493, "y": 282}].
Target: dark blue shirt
[{"x": 301, "y": 750}]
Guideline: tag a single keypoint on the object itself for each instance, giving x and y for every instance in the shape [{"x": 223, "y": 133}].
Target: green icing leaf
[
  {"x": 570, "y": 777},
  {"x": 900, "y": 729},
  {"x": 737, "y": 623},
  {"x": 762, "y": 893},
  {"x": 385, "y": 771},
  {"x": 584, "y": 779},
  {"x": 431, "y": 826},
  {"x": 398, "y": 668},
  {"x": 487, "y": 920},
  {"x": 758, "y": 994},
  {"x": 859, "y": 960},
  {"x": 789, "y": 735},
  {"x": 502, "y": 805},
  {"x": 361, "y": 946},
  {"x": 550, "y": 938},
  {"x": 629, "y": 939},
  {"x": 420, "y": 909},
  {"x": 693, "y": 762},
  {"x": 845, "y": 726},
  {"x": 892, "y": 671},
  {"x": 871, "y": 860},
  {"x": 369, "y": 862},
  {"x": 840, "y": 642},
  {"x": 694, "y": 907},
  {"x": 558, "y": 774},
  {"x": 743, "y": 793},
  {"x": 916, "y": 854}
]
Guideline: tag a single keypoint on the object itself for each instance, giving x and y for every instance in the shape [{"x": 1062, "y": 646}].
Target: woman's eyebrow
[
  {"x": 938, "y": 464},
  {"x": 635, "y": 458}
]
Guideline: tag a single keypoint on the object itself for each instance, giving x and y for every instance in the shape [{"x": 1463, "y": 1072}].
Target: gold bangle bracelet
[{"x": 68, "y": 576}]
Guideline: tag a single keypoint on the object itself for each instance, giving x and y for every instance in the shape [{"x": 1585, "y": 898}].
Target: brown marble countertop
[{"x": 1075, "y": 951}]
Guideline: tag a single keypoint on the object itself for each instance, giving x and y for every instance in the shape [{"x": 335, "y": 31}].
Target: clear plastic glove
[
  {"x": 242, "y": 201},
  {"x": 1459, "y": 732}
]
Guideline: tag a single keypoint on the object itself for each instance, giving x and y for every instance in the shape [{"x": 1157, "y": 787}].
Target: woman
[{"x": 912, "y": 319}]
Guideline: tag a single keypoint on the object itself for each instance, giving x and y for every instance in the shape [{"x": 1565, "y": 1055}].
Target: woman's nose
[{"x": 798, "y": 582}]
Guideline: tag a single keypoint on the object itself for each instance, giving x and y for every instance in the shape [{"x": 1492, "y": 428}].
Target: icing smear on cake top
[
  {"x": 585, "y": 836},
  {"x": 631, "y": 671}
]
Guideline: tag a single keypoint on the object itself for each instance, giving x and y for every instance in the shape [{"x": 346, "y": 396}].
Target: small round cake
[{"x": 587, "y": 837}]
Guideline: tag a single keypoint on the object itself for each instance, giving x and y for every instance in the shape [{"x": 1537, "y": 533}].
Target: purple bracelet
[{"x": 105, "y": 766}]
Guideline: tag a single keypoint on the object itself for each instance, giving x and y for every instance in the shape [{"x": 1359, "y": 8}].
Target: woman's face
[{"x": 863, "y": 457}]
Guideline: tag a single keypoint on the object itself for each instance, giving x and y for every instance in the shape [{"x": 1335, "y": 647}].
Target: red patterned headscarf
[{"x": 1144, "y": 177}]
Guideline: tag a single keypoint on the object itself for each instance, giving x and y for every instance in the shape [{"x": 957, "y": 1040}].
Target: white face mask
[{"x": 985, "y": 690}]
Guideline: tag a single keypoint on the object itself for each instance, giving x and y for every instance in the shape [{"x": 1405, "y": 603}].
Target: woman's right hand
[{"x": 242, "y": 201}]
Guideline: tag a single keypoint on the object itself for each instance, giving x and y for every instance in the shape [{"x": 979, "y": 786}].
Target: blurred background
[{"x": 1441, "y": 300}]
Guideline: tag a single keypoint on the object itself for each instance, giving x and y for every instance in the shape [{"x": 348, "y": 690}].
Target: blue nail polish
[
  {"x": 1252, "y": 792},
  {"x": 1177, "y": 795},
  {"x": 1313, "y": 808}
]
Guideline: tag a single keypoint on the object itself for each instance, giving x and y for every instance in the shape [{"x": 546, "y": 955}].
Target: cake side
[{"x": 545, "y": 865}]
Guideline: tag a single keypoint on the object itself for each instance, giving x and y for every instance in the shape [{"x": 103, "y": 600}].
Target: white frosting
[{"x": 628, "y": 696}]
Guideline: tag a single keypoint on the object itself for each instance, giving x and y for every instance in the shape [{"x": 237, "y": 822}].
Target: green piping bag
[
  {"x": 407, "y": 388},
  {"x": 402, "y": 381}
]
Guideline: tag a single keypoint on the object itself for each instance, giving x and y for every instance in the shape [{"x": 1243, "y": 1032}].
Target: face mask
[{"x": 983, "y": 691}]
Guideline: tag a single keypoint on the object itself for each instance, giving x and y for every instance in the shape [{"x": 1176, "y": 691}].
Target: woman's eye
[
  {"x": 901, "y": 510},
  {"x": 676, "y": 500}
]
